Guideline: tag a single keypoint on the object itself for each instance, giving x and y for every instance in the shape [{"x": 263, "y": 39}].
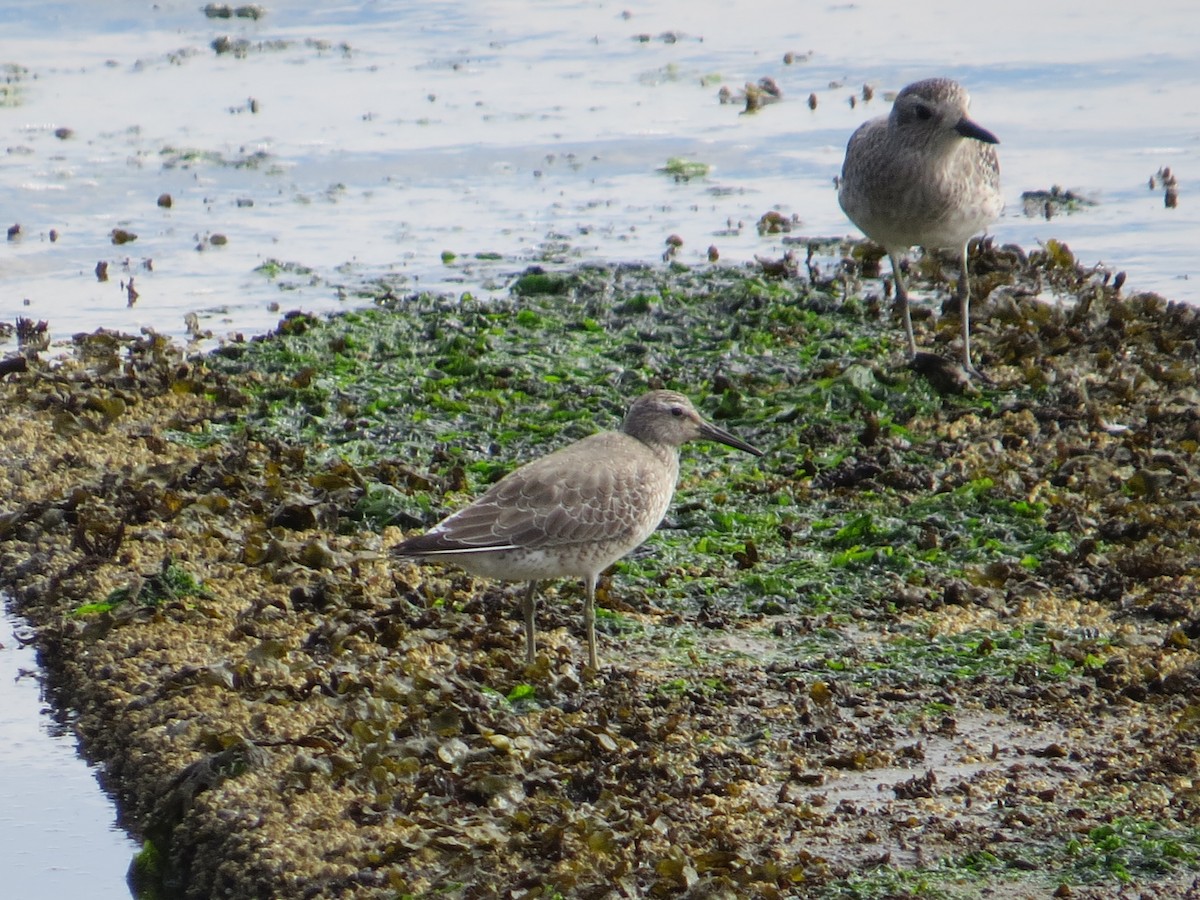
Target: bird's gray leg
[
  {"x": 902, "y": 298},
  {"x": 589, "y": 619},
  {"x": 964, "y": 311},
  {"x": 529, "y": 607}
]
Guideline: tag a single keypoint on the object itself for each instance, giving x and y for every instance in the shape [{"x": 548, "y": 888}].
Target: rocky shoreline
[{"x": 930, "y": 644}]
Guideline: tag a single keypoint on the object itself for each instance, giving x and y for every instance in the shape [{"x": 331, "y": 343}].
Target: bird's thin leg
[
  {"x": 529, "y": 607},
  {"x": 964, "y": 310},
  {"x": 963, "y": 292},
  {"x": 589, "y": 619},
  {"x": 902, "y": 299}
]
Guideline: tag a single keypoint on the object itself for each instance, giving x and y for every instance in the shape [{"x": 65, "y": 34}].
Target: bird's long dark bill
[
  {"x": 969, "y": 129},
  {"x": 713, "y": 433}
]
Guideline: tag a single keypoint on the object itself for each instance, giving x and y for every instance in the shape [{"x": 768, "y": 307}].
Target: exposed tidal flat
[{"x": 930, "y": 644}]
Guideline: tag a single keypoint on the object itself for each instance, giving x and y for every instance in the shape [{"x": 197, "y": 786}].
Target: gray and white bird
[
  {"x": 924, "y": 175},
  {"x": 576, "y": 511}
]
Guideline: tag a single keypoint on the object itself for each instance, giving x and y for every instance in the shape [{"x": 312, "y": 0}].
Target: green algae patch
[
  {"x": 859, "y": 505},
  {"x": 1128, "y": 849},
  {"x": 192, "y": 157},
  {"x": 1124, "y": 852},
  {"x": 170, "y": 584},
  {"x": 464, "y": 390},
  {"x": 146, "y": 873},
  {"x": 682, "y": 169},
  {"x": 13, "y": 78},
  {"x": 540, "y": 282}
]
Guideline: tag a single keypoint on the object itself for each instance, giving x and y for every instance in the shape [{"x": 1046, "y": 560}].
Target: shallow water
[
  {"x": 351, "y": 141},
  {"x": 383, "y": 135},
  {"x": 57, "y": 830}
]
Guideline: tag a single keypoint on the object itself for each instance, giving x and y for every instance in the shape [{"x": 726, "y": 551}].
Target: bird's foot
[
  {"x": 946, "y": 376},
  {"x": 975, "y": 373}
]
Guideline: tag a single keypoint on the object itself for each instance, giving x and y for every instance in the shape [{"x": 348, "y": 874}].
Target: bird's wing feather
[{"x": 589, "y": 491}]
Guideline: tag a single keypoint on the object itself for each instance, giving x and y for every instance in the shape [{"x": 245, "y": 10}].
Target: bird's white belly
[{"x": 537, "y": 564}]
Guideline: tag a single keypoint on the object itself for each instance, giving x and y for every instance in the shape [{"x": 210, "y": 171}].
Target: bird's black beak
[
  {"x": 713, "y": 433},
  {"x": 969, "y": 129}
]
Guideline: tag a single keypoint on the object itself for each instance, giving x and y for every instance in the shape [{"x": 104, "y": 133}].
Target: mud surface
[{"x": 930, "y": 645}]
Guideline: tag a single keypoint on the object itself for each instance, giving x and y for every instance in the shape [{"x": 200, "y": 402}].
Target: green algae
[
  {"x": 1128, "y": 848},
  {"x": 1124, "y": 851},
  {"x": 852, "y": 509},
  {"x": 190, "y": 157},
  {"x": 172, "y": 582},
  {"x": 683, "y": 169},
  {"x": 12, "y": 84},
  {"x": 146, "y": 873}
]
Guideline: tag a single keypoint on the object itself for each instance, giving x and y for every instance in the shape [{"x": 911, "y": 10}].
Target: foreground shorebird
[
  {"x": 924, "y": 175},
  {"x": 576, "y": 511}
]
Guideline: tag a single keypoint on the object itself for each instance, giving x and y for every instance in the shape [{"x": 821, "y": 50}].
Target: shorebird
[
  {"x": 576, "y": 511},
  {"x": 923, "y": 175}
]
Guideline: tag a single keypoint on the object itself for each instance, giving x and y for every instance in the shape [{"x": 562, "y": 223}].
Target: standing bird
[
  {"x": 924, "y": 175},
  {"x": 576, "y": 511}
]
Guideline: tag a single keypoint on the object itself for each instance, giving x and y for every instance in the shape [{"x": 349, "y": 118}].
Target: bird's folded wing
[{"x": 571, "y": 496}]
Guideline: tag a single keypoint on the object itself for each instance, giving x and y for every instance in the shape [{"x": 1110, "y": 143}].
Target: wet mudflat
[{"x": 929, "y": 645}]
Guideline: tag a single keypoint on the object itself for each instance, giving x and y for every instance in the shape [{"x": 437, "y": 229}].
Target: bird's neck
[{"x": 667, "y": 453}]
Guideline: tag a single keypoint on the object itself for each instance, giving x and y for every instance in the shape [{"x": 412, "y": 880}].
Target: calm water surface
[
  {"x": 355, "y": 140},
  {"x": 58, "y": 837}
]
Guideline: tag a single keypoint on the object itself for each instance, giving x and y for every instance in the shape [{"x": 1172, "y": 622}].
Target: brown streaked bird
[
  {"x": 576, "y": 511},
  {"x": 924, "y": 175}
]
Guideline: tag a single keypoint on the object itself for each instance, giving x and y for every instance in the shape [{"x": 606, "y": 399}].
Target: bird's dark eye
[
  {"x": 924, "y": 113},
  {"x": 677, "y": 411}
]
